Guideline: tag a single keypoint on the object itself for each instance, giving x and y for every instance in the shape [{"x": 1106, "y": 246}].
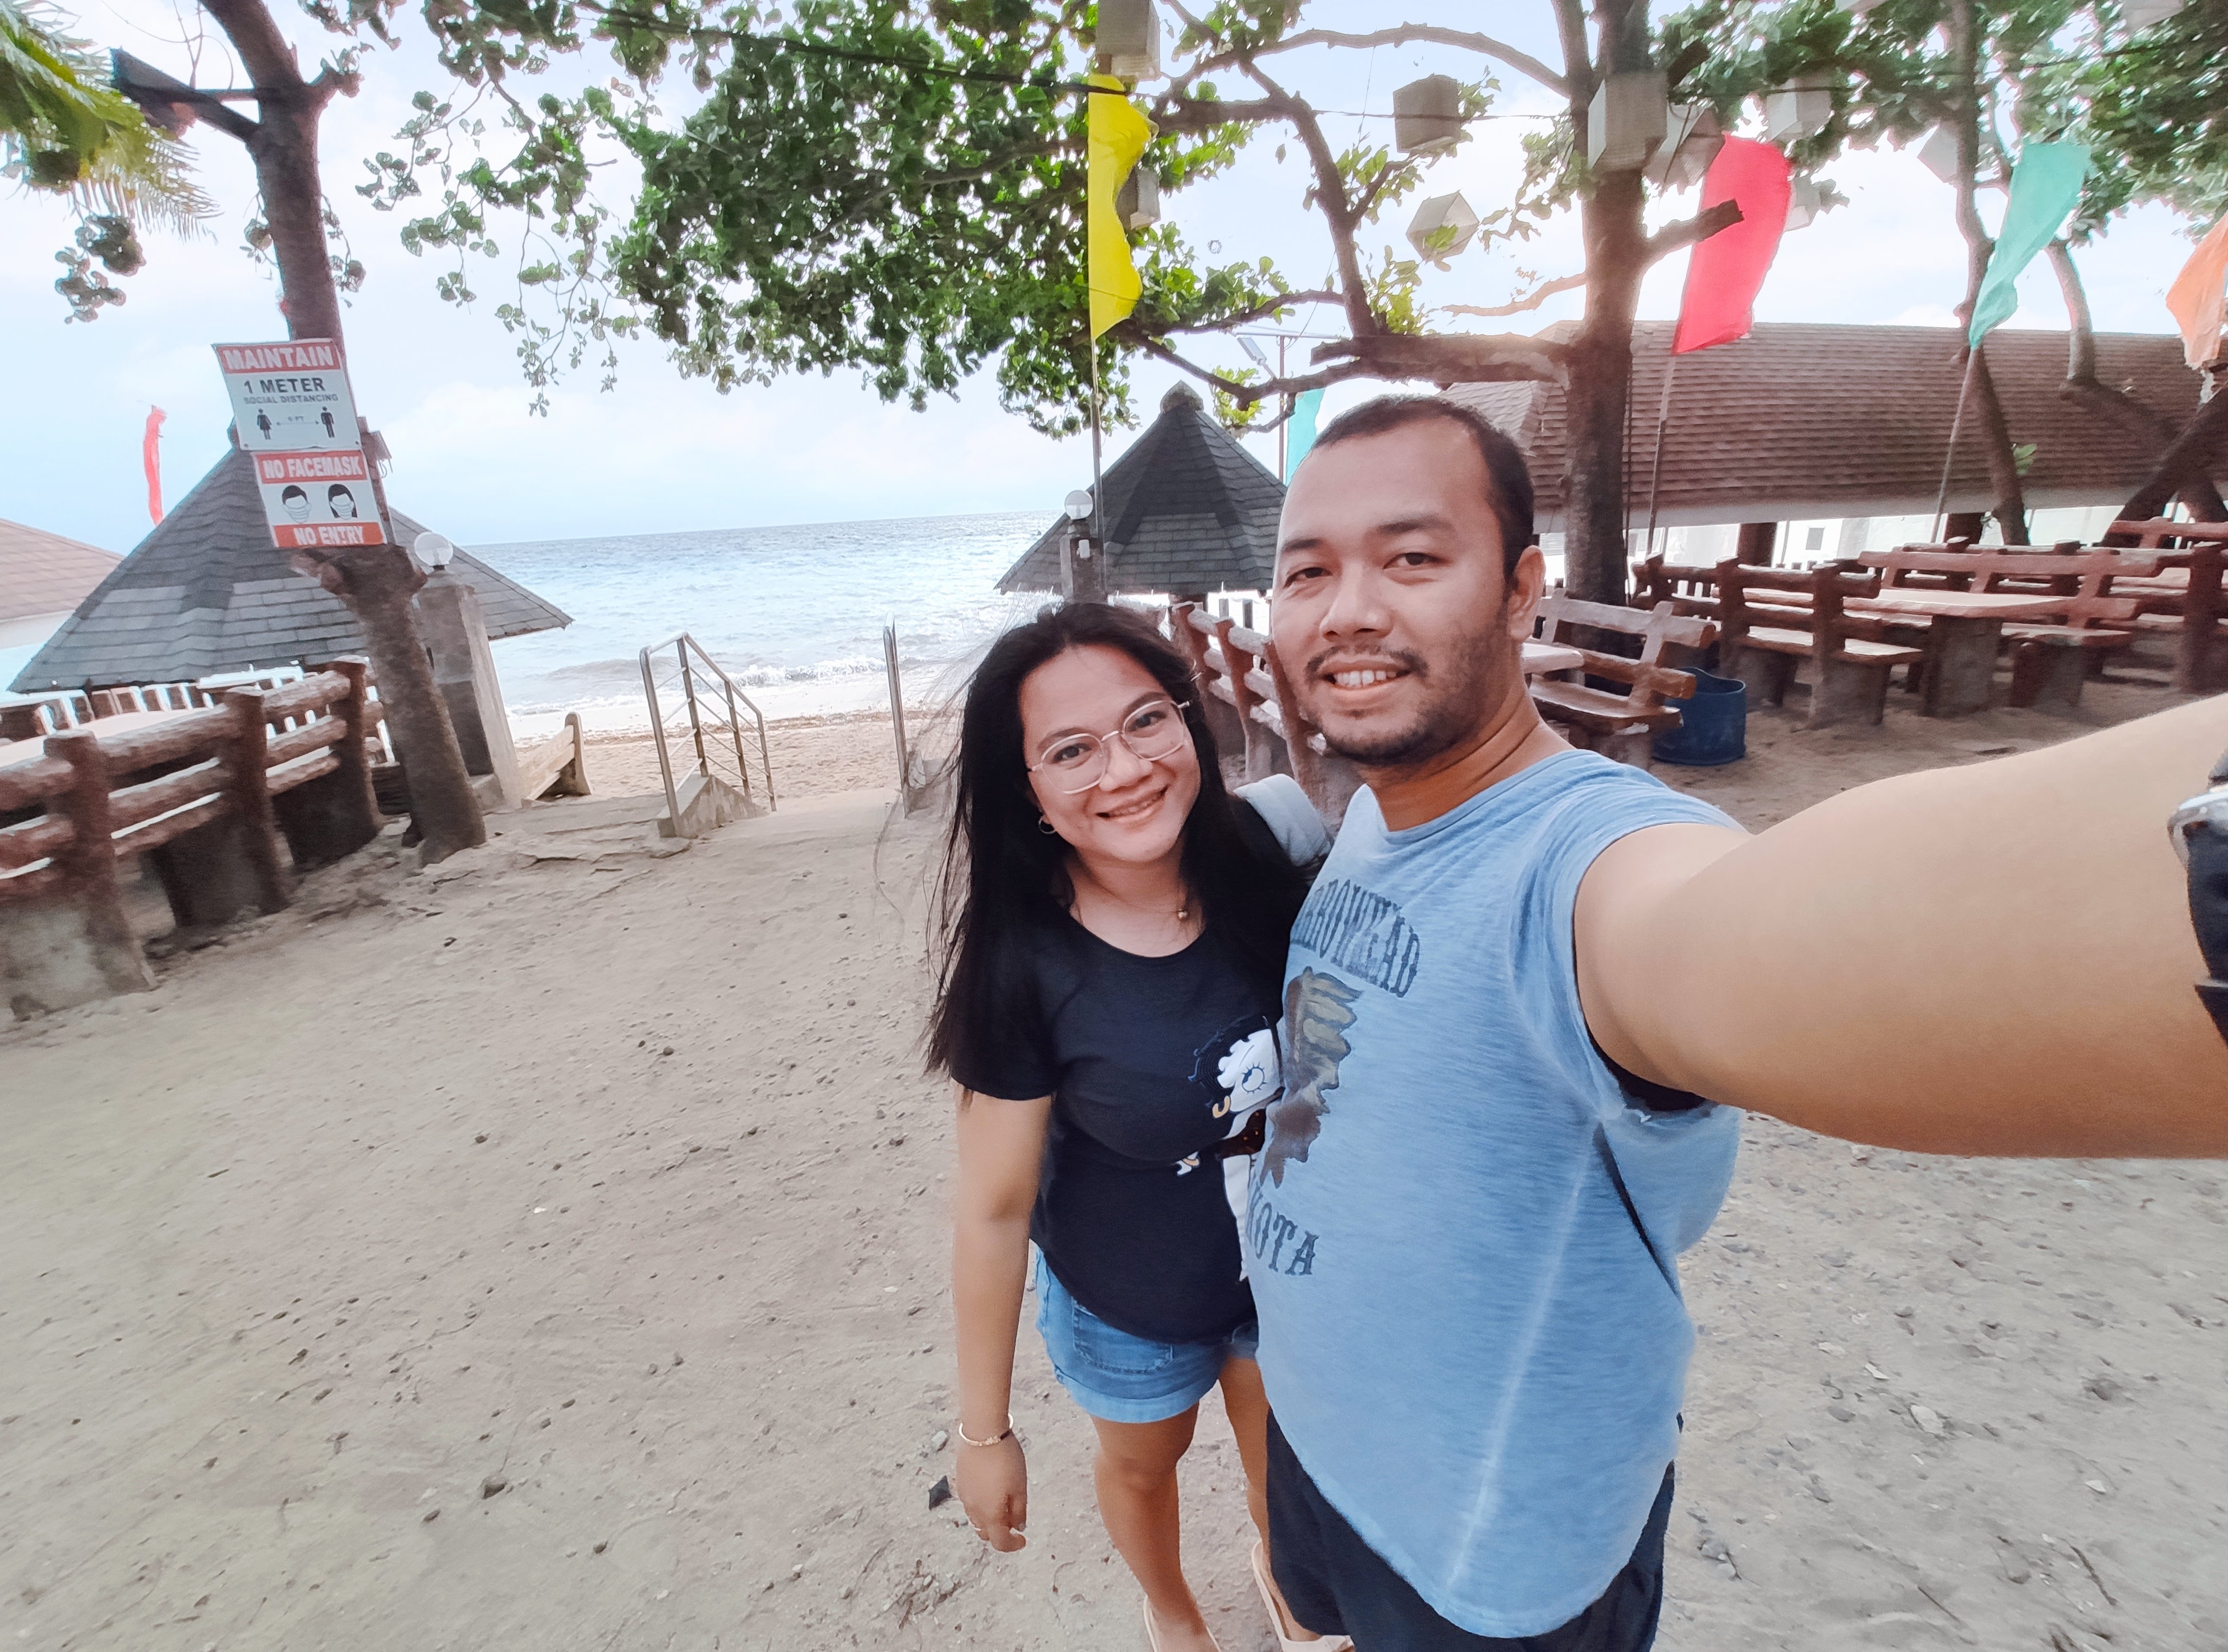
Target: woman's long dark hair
[{"x": 1004, "y": 876}]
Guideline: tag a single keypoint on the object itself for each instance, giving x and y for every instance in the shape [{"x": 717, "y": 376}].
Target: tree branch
[
  {"x": 1244, "y": 391},
  {"x": 1329, "y": 193},
  {"x": 1532, "y": 300},
  {"x": 1485, "y": 45},
  {"x": 1266, "y": 307},
  {"x": 1703, "y": 225},
  {"x": 1453, "y": 358}
]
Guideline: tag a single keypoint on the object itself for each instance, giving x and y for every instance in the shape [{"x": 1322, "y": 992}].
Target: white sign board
[{"x": 296, "y": 421}]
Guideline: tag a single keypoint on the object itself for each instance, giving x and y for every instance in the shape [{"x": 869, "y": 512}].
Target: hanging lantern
[
  {"x": 1130, "y": 39},
  {"x": 1798, "y": 111},
  {"x": 1938, "y": 154},
  {"x": 1692, "y": 139},
  {"x": 1859, "y": 7},
  {"x": 1427, "y": 115},
  {"x": 1626, "y": 122},
  {"x": 1138, "y": 201},
  {"x": 2142, "y": 13},
  {"x": 1442, "y": 227},
  {"x": 1802, "y": 203}
]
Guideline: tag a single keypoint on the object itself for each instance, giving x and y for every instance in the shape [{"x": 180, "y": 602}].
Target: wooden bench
[
  {"x": 1619, "y": 725},
  {"x": 1763, "y": 644},
  {"x": 2191, "y": 610},
  {"x": 2049, "y": 661}
]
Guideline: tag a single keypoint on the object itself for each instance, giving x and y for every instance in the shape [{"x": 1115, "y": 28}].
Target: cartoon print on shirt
[
  {"x": 1239, "y": 1066},
  {"x": 1316, "y": 1011}
]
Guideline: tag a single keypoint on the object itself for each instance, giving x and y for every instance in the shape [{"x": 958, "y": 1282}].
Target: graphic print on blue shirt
[{"x": 1470, "y": 1349}]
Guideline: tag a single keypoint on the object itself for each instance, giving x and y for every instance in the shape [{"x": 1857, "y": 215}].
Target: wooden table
[
  {"x": 1962, "y": 642},
  {"x": 1544, "y": 659}
]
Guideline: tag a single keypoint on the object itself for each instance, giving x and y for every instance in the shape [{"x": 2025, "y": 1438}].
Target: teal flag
[
  {"x": 1300, "y": 434},
  {"x": 2045, "y": 186}
]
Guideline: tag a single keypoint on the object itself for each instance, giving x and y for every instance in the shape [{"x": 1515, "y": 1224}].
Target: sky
[{"x": 664, "y": 454}]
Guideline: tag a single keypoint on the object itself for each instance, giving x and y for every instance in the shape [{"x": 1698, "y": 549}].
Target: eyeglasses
[{"x": 1078, "y": 762}]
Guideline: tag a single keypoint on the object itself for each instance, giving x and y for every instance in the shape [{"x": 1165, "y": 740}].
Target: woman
[{"x": 1115, "y": 928}]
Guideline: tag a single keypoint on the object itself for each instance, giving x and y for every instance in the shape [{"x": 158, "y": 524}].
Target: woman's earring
[{"x": 1047, "y": 827}]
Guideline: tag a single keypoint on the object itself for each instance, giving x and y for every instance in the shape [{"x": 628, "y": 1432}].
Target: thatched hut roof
[
  {"x": 208, "y": 592},
  {"x": 1186, "y": 510}
]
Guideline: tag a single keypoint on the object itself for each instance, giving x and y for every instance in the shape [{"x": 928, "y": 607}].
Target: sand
[{"x": 548, "y": 1250}]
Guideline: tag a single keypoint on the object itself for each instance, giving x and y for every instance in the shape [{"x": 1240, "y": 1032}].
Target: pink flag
[
  {"x": 1726, "y": 272},
  {"x": 150, "y": 455},
  {"x": 2196, "y": 300}
]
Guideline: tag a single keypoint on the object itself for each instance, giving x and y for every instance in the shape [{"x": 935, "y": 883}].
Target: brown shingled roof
[
  {"x": 1808, "y": 420},
  {"x": 44, "y": 574}
]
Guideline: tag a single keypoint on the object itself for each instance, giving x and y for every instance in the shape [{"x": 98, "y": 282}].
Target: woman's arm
[
  {"x": 1001, "y": 1152},
  {"x": 1996, "y": 958}
]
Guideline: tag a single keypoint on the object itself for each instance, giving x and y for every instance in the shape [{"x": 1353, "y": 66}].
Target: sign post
[{"x": 297, "y": 421}]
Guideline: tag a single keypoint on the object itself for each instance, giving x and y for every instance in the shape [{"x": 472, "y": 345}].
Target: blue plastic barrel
[{"x": 1713, "y": 725}]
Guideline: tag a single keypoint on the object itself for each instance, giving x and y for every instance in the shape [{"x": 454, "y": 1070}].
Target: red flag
[
  {"x": 1726, "y": 272},
  {"x": 150, "y": 455}
]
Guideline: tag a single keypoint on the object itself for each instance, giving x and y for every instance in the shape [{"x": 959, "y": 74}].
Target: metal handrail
[{"x": 689, "y": 662}]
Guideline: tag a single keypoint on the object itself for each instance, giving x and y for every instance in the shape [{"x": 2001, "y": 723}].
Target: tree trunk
[
  {"x": 2197, "y": 491},
  {"x": 1599, "y": 385},
  {"x": 1996, "y": 435},
  {"x": 376, "y": 581},
  {"x": 2192, "y": 454}
]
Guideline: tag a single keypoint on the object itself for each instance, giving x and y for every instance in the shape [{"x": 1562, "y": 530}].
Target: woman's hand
[{"x": 993, "y": 1483}]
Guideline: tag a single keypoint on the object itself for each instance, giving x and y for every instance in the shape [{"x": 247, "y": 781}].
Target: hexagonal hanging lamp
[
  {"x": 1138, "y": 201},
  {"x": 1627, "y": 121},
  {"x": 2142, "y": 13},
  {"x": 1798, "y": 110},
  {"x": 1427, "y": 115},
  {"x": 1802, "y": 203},
  {"x": 1128, "y": 42},
  {"x": 1692, "y": 139},
  {"x": 1938, "y": 154},
  {"x": 1443, "y": 227}
]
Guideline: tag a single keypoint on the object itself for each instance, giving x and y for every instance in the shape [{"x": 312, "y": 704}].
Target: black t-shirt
[{"x": 1130, "y": 1050}]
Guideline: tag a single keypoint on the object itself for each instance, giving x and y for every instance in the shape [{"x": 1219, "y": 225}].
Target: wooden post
[
  {"x": 1754, "y": 545},
  {"x": 1259, "y": 761},
  {"x": 2200, "y": 615},
  {"x": 77, "y": 946},
  {"x": 247, "y": 791},
  {"x": 335, "y": 813}
]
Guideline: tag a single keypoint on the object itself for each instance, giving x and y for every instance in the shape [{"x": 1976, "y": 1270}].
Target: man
[{"x": 1526, "y": 991}]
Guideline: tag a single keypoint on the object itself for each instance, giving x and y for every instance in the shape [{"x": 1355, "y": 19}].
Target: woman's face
[{"x": 1136, "y": 810}]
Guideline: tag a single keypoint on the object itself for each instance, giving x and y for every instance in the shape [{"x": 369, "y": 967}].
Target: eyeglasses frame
[{"x": 1179, "y": 706}]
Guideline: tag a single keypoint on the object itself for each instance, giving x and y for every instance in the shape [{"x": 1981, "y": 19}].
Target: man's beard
[{"x": 1454, "y": 710}]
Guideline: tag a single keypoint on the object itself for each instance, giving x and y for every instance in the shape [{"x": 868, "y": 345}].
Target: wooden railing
[
  {"x": 1246, "y": 696},
  {"x": 262, "y": 761}
]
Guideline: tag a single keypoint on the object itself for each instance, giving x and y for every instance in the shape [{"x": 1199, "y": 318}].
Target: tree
[
  {"x": 897, "y": 187},
  {"x": 1990, "y": 73},
  {"x": 63, "y": 131}
]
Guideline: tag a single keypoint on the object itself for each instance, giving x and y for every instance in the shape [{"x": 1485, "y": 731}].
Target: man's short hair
[{"x": 1509, "y": 482}]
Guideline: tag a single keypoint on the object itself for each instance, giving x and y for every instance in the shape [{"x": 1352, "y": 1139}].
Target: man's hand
[{"x": 993, "y": 1485}]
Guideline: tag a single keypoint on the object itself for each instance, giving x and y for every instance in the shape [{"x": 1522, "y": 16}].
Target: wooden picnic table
[
  {"x": 1962, "y": 642},
  {"x": 1544, "y": 659}
]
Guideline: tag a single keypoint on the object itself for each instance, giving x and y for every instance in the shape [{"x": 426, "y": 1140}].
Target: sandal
[{"x": 1279, "y": 1618}]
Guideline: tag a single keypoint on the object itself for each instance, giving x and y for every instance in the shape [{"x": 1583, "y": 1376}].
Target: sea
[{"x": 794, "y": 614}]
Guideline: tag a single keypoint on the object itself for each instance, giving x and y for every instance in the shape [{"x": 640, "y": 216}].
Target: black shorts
[{"x": 1336, "y": 1584}]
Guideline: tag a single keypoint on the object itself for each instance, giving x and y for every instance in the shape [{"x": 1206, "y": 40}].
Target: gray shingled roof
[
  {"x": 1803, "y": 420},
  {"x": 1187, "y": 509},
  {"x": 208, "y": 592}
]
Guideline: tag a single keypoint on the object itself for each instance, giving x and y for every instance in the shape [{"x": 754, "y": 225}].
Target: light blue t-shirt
[{"x": 1471, "y": 1348}]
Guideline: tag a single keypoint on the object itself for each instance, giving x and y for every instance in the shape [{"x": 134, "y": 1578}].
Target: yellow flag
[
  {"x": 2195, "y": 298},
  {"x": 1118, "y": 134}
]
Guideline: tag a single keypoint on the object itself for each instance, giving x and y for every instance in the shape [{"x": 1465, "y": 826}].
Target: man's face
[{"x": 1391, "y": 617}]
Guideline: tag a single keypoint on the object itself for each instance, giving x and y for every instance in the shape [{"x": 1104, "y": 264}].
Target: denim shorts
[{"x": 1124, "y": 1379}]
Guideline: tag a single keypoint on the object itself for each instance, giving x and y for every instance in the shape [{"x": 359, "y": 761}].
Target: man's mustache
[{"x": 1349, "y": 661}]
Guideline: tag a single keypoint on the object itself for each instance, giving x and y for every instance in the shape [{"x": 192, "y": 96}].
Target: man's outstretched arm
[{"x": 1996, "y": 959}]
